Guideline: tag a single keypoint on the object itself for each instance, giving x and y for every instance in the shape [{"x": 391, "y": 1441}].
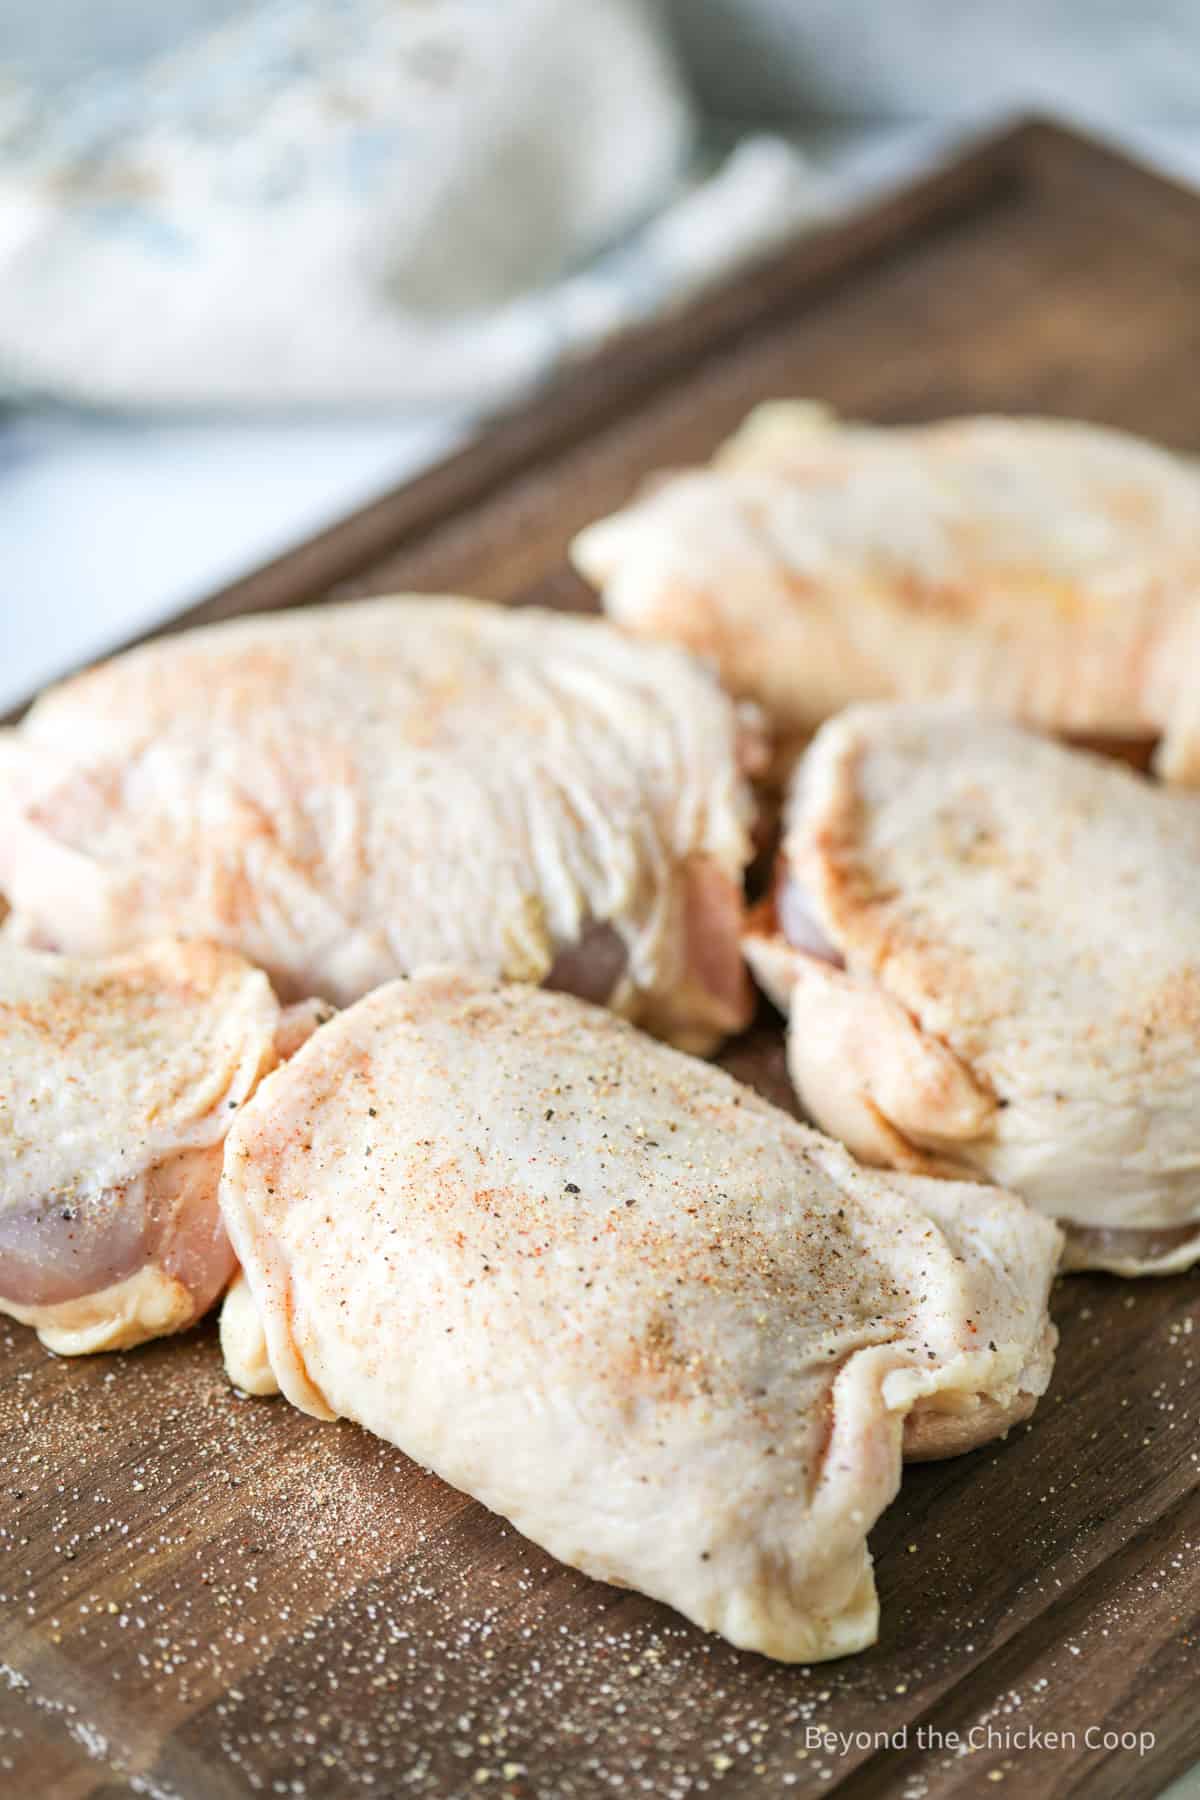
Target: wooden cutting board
[{"x": 209, "y": 1597}]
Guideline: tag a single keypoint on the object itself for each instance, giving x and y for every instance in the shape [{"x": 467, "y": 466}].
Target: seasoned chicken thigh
[
  {"x": 1046, "y": 570},
  {"x": 990, "y": 947},
  {"x": 118, "y": 1082},
  {"x": 676, "y": 1337},
  {"x": 350, "y": 793}
]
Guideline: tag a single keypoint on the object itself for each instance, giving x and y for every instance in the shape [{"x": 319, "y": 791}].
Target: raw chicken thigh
[
  {"x": 990, "y": 947},
  {"x": 349, "y": 793},
  {"x": 676, "y": 1337},
  {"x": 118, "y": 1082},
  {"x": 1039, "y": 568}
]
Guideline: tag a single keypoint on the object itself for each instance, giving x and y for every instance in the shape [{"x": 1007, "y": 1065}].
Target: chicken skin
[
  {"x": 675, "y": 1336},
  {"x": 349, "y": 793},
  {"x": 989, "y": 945},
  {"x": 1046, "y": 570},
  {"x": 118, "y": 1082}
]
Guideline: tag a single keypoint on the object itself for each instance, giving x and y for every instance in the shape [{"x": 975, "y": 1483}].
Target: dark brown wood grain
[{"x": 209, "y": 1597}]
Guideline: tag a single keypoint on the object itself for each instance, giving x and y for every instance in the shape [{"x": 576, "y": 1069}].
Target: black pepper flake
[{"x": 572, "y": 1187}]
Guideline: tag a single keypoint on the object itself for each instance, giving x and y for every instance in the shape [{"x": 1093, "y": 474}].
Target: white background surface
[{"x": 107, "y": 526}]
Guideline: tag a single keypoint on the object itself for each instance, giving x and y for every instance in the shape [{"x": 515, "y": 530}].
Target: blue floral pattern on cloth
[{"x": 363, "y": 202}]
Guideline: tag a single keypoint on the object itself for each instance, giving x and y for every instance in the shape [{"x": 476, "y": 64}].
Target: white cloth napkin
[{"x": 348, "y": 203}]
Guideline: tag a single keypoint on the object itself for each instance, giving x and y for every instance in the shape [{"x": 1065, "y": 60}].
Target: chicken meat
[
  {"x": 1035, "y": 567},
  {"x": 679, "y": 1339},
  {"x": 119, "y": 1079},
  {"x": 349, "y": 793},
  {"x": 989, "y": 946}
]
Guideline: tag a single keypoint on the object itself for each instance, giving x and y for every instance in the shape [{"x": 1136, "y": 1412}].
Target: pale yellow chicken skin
[
  {"x": 1036, "y": 567},
  {"x": 119, "y": 1079},
  {"x": 989, "y": 945},
  {"x": 677, "y": 1338},
  {"x": 352, "y": 792}
]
